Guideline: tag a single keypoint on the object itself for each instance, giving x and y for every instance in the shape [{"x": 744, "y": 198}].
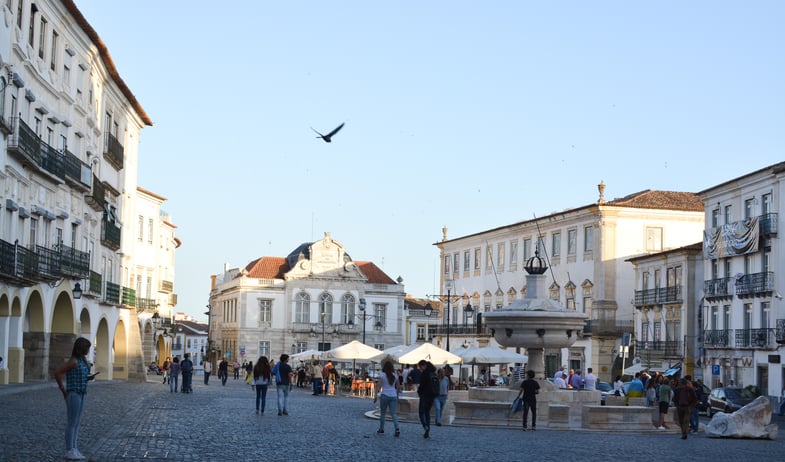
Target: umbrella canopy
[
  {"x": 489, "y": 355},
  {"x": 429, "y": 352},
  {"x": 307, "y": 355},
  {"x": 395, "y": 352},
  {"x": 634, "y": 369},
  {"x": 352, "y": 350}
]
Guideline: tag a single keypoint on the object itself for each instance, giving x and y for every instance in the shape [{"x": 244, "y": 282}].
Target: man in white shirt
[
  {"x": 559, "y": 381},
  {"x": 590, "y": 381}
]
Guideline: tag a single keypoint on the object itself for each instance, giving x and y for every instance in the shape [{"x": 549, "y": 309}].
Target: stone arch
[
  {"x": 102, "y": 351},
  {"x": 35, "y": 342},
  {"x": 85, "y": 325},
  {"x": 120, "y": 352},
  {"x": 62, "y": 332},
  {"x": 5, "y": 306}
]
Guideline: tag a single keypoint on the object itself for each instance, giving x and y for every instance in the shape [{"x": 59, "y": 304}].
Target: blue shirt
[
  {"x": 636, "y": 385},
  {"x": 76, "y": 378}
]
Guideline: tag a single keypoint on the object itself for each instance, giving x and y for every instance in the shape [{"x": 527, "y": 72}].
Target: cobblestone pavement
[{"x": 135, "y": 421}]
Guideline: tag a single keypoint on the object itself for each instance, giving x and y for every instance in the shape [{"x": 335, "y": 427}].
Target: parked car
[
  {"x": 728, "y": 399},
  {"x": 604, "y": 388}
]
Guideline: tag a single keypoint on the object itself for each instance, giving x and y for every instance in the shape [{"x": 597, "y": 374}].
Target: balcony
[
  {"x": 95, "y": 284},
  {"x": 74, "y": 263},
  {"x": 173, "y": 299},
  {"x": 110, "y": 234},
  {"x": 768, "y": 224},
  {"x": 146, "y": 304},
  {"x": 779, "y": 335},
  {"x": 167, "y": 287},
  {"x": 756, "y": 284},
  {"x": 129, "y": 296},
  {"x": 113, "y": 151},
  {"x": 717, "y": 288},
  {"x": 97, "y": 197},
  {"x": 658, "y": 296},
  {"x": 77, "y": 173},
  {"x": 18, "y": 263},
  {"x": 32, "y": 151},
  {"x": 460, "y": 329},
  {"x": 763, "y": 339},
  {"x": 661, "y": 348},
  {"x": 716, "y": 338},
  {"x": 48, "y": 263},
  {"x": 112, "y": 293}
]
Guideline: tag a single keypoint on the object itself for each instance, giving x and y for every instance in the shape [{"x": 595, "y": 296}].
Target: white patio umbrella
[
  {"x": 634, "y": 369},
  {"x": 352, "y": 350},
  {"x": 489, "y": 355},
  {"x": 394, "y": 352},
  {"x": 429, "y": 352},
  {"x": 307, "y": 355}
]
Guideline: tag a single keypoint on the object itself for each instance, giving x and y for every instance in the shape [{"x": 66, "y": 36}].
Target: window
[
  {"x": 715, "y": 269},
  {"x": 728, "y": 214},
  {"x": 446, "y": 264},
  {"x": 347, "y": 309},
  {"x": 380, "y": 314},
  {"x": 749, "y": 208},
  {"x": 150, "y": 227},
  {"x": 715, "y": 217},
  {"x": 572, "y": 241},
  {"x": 477, "y": 256},
  {"x": 53, "y": 51},
  {"x": 766, "y": 204},
  {"x": 19, "y": 9},
  {"x": 555, "y": 291},
  {"x": 569, "y": 292},
  {"x": 264, "y": 348},
  {"x": 645, "y": 331},
  {"x": 33, "y": 232},
  {"x": 67, "y": 75},
  {"x": 500, "y": 251},
  {"x": 456, "y": 262},
  {"x": 420, "y": 332},
  {"x": 588, "y": 238},
  {"x": 714, "y": 317},
  {"x": 300, "y": 347},
  {"x": 765, "y": 314},
  {"x": 556, "y": 244},
  {"x": 466, "y": 261},
  {"x": 513, "y": 255},
  {"x": 726, "y": 317},
  {"x": 140, "y": 229},
  {"x": 673, "y": 276},
  {"x": 149, "y": 292},
  {"x": 326, "y": 308},
  {"x": 653, "y": 239},
  {"x": 31, "y": 26},
  {"x": 41, "y": 38},
  {"x": 265, "y": 311},
  {"x": 302, "y": 308},
  {"x": 541, "y": 246},
  {"x": 527, "y": 250},
  {"x": 488, "y": 258},
  {"x": 379, "y": 346}
]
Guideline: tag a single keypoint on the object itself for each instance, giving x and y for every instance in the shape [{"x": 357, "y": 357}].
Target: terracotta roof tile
[
  {"x": 374, "y": 274},
  {"x": 267, "y": 268},
  {"x": 669, "y": 200}
]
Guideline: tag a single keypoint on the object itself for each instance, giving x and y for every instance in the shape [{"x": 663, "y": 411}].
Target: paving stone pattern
[{"x": 143, "y": 421}]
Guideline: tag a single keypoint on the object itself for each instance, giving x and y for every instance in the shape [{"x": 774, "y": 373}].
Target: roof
[
  {"x": 668, "y": 200},
  {"x": 690, "y": 248},
  {"x": 194, "y": 327},
  {"x": 277, "y": 267},
  {"x": 106, "y": 58},
  {"x": 774, "y": 169}
]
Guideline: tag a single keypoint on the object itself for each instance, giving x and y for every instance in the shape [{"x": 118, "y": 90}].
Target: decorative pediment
[{"x": 326, "y": 258}]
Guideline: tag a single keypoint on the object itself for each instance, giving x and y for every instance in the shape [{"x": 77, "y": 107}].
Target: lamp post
[
  {"x": 467, "y": 310},
  {"x": 448, "y": 284},
  {"x": 364, "y": 318},
  {"x": 323, "y": 314},
  {"x": 427, "y": 312}
]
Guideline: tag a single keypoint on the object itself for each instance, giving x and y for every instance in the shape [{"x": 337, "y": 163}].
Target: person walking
[
  {"x": 223, "y": 371},
  {"x": 174, "y": 374},
  {"x": 685, "y": 399},
  {"x": 249, "y": 372},
  {"x": 261, "y": 380},
  {"x": 427, "y": 392},
  {"x": 316, "y": 378},
  {"x": 208, "y": 369},
  {"x": 187, "y": 371},
  {"x": 236, "y": 369},
  {"x": 664, "y": 401},
  {"x": 440, "y": 402},
  {"x": 76, "y": 372},
  {"x": 283, "y": 383},
  {"x": 528, "y": 394},
  {"x": 388, "y": 388},
  {"x": 165, "y": 367},
  {"x": 694, "y": 418}
]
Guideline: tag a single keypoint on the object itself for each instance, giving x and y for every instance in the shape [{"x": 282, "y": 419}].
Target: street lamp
[
  {"x": 448, "y": 284},
  {"x": 428, "y": 311},
  {"x": 323, "y": 314},
  {"x": 468, "y": 310}
]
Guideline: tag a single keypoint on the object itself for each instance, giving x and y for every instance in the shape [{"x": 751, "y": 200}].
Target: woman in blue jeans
[
  {"x": 440, "y": 402},
  {"x": 76, "y": 372},
  {"x": 174, "y": 374},
  {"x": 261, "y": 380},
  {"x": 388, "y": 389}
]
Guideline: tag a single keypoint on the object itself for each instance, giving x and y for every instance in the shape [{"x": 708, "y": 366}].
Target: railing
[
  {"x": 768, "y": 224},
  {"x": 716, "y": 338},
  {"x": 668, "y": 348},
  {"x": 755, "y": 338},
  {"x": 754, "y": 284},
  {"x": 129, "y": 296},
  {"x": 48, "y": 262},
  {"x": 779, "y": 336},
  {"x": 167, "y": 287},
  {"x": 146, "y": 304},
  {"x": 74, "y": 263},
  {"x": 52, "y": 161},
  {"x": 110, "y": 234},
  {"x": 658, "y": 296},
  {"x": 113, "y": 151},
  {"x": 112, "y": 293},
  {"x": 173, "y": 299},
  {"x": 460, "y": 329},
  {"x": 95, "y": 284},
  {"x": 717, "y": 288},
  {"x": 27, "y": 145},
  {"x": 97, "y": 197},
  {"x": 17, "y": 261},
  {"x": 77, "y": 173}
]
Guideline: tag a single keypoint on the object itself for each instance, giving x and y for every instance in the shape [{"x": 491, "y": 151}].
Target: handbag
[{"x": 516, "y": 406}]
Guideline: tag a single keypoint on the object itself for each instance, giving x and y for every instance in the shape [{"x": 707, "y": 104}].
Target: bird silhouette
[{"x": 328, "y": 138}]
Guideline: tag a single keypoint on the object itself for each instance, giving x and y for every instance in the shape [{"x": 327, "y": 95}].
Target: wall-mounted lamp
[
  {"x": 540, "y": 332},
  {"x": 77, "y": 291}
]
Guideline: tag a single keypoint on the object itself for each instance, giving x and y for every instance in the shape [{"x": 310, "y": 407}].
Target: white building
[
  {"x": 744, "y": 316},
  {"x": 315, "y": 298},
  {"x": 68, "y": 171},
  {"x": 668, "y": 297},
  {"x": 587, "y": 249}
]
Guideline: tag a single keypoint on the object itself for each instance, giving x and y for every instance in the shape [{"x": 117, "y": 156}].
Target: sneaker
[
  {"x": 257, "y": 411},
  {"x": 427, "y": 433},
  {"x": 285, "y": 413},
  {"x": 397, "y": 433},
  {"x": 438, "y": 424},
  {"x": 660, "y": 428},
  {"x": 280, "y": 413},
  {"x": 534, "y": 428},
  {"x": 524, "y": 428},
  {"x": 380, "y": 431},
  {"x": 73, "y": 454},
  {"x": 79, "y": 454}
]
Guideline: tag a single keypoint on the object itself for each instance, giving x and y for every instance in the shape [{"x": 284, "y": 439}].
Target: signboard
[
  {"x": 715, "y": 369},
  {"x": 242, "y": 350}
]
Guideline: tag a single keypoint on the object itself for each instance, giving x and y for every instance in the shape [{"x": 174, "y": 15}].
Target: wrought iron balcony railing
[
  {"x": 658, "y": 296},
  {"x": 18, "y": 263},
  {"x": 113, "y": 151},
  {"x": 112, "y": 293},
  {"x": 460, "y": 329},
  {"x": 755, "y": 284},
  {"x": 763, "y": 338},
  {"x": 26, "y": 145},
  {"x": 717, "y": 288},
  {"x": 74, "y": 263},
  {"x": 167, "y": 287},
  {"x": 110, "y": 234},
  {"x": 716, "y": 338},
  {"x": 97, "y": 197},
  {"x": 129, "y": 296},
  {"x": 668, "y": 348},
  {"x": 779, "y": 335},
  {"x": 768, "y": 224},
  {"x": 604, "y": 327},
  {"x": 77, "y": 173},
  {"x": 95, "y": 284},
  {"x": 146, "y": 304}
]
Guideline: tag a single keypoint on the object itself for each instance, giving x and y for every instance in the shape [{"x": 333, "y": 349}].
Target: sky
[{"x": 465, "y": 114}]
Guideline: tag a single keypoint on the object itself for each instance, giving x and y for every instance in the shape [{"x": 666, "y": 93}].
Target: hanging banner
[{"x": 737, "y": 238}]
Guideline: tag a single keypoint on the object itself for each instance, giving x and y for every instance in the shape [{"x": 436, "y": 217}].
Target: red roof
[{"x": 276, "y": 267}]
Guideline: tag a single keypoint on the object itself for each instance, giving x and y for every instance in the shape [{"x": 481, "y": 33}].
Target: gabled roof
[
  {"x": 277, "y": 267},
  {"x": 668, "y": 200},
  {"x": 194, "y": 328}
]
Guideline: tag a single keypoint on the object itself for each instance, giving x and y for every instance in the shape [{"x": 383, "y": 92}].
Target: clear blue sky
[{"x": 467, "y": 114}]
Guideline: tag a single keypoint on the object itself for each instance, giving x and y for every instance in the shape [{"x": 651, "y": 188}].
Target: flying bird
[{"x": 328, "y": 138}]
